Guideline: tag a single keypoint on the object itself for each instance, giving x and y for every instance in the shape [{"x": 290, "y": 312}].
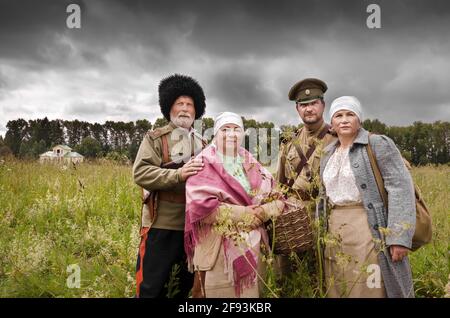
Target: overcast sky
[{"x": 245, "y": 54}]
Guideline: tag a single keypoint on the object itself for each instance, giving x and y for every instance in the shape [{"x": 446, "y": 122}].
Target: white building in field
[{"x": 61, "y": 153}]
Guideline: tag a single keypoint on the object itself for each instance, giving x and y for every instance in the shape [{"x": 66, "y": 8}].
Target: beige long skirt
[
  {"x": 351, "y": 261},
  {"x": 217, "y": 284}
]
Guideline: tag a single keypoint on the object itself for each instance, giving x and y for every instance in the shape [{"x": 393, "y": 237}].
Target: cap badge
[{"x": 307, "y": 92}]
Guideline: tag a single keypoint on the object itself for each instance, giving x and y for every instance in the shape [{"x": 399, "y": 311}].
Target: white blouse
[{"x": 339, "y": 179}]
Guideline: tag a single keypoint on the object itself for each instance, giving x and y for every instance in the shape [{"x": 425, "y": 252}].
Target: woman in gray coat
[{"x": 366, "y": 246}]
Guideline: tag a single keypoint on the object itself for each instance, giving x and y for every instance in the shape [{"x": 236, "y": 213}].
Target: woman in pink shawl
[{"x": 225, "y": 213}]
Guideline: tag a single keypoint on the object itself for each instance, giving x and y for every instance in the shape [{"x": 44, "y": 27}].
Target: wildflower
[{"x": 343, "y": 259}]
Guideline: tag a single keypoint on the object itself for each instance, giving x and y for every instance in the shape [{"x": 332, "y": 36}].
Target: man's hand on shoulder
[{"x": 192, "y": 167}]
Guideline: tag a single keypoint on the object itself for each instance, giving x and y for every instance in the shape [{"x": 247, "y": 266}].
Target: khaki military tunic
[
  {"x": 149, "y": 174},
  {"x": 288, "y": 159},
  {"x": 307, "y": 182}
]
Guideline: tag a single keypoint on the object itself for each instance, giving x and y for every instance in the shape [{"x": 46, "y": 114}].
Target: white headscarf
[
  {"x": 227, "y": 118},
  {"x": 348, "y": 103}
]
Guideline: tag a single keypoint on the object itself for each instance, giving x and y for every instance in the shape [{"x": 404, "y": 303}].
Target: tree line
[{"x": 420, "y": 143}]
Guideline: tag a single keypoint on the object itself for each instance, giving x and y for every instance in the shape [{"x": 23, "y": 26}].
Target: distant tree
[
  {"x": 15, "y": 134},
  {"x": 85, "y": 130},
  {"x": 25, "y": 150},
  {"x": 133, "y": 150},
  {"x": 103, "y": 132},
  {"x": 207, "y": 122},
  {"x": 374, "y": 126},
  {"x": 121, "y": 135},
  {"x": 113, "y": 135},
  {"x": 89, "y": 147},
  {"x": 4, "y": 150},
  {"x": 420, "y": 143},
  {"x": 74, "y": 132},
  {"x": 160, "y": 122},
  {"x": 32, "y": 149},
  {"x": 40, "y": 131},
  {"x": 207, "y": 128},
  {"x": 440, "y": 148},
  {"x": 129, "y": 131},
  {"x": 141, "y": 128},
  {"x": 96, "y": 133},
  {"x": 56, "y": 133},
  {"x": 38, "y": 148}
]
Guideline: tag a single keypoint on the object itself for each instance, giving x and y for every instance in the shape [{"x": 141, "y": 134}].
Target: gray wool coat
[{"x": 401, "y": 218}]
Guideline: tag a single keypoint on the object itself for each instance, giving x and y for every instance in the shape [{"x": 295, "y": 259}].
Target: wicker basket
[{"x": 293, "y": 231}]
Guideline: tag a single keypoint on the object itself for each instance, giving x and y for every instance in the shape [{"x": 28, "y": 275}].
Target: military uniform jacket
[
  {"x": 289, "y": 159},
  {"x": 148, "y": 173}
]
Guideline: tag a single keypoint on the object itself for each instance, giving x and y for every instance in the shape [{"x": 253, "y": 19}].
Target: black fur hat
[{"x": 174, "y": 86}]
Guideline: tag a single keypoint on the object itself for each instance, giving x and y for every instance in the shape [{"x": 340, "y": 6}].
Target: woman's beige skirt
[
  {"x": 218, "y": 286},
  {"x": 217, "y": 283},
  {"x": 351, "y": 262}
]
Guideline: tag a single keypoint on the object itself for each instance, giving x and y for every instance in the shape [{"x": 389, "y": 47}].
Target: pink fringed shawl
[{"x": 213, "y": 186}]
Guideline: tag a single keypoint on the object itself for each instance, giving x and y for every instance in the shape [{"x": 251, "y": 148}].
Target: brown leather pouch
[{"x": 198, "y": 289}]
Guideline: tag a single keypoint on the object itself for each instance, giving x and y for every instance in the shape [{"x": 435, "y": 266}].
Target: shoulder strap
[
  {"x": 281, "y": 175},
  {"x": 304, "y": 158},
  {"x": 377, "y": 173},
  {"x": 165, "y": 149},
  {"x": 324, "y": 131}
]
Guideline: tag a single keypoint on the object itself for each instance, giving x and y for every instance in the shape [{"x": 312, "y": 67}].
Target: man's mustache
[{"x": 184, "y": 115}]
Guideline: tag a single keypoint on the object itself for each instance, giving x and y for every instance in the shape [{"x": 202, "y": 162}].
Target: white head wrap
[
  {"x": 227, "y": 118},
  {"x": 348, "y": 103}
]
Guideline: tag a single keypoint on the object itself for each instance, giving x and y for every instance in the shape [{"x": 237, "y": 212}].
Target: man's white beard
[{"x": 182, "y": 121}]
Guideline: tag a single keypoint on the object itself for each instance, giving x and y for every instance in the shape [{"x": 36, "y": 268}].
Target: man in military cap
[
  {"x": 163, "y": 163},
  {"x": 299, "y": 156}
]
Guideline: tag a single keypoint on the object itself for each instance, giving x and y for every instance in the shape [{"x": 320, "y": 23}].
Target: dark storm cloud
[
  {"x": 245, "y": 53},
  {"x": 40, "y": 38},
  {"x": 29, "y": 30},
  {"x": 236, "y": 28},
  {"x": 226, "y": 28},
  {"x": 241, "y": 88}
]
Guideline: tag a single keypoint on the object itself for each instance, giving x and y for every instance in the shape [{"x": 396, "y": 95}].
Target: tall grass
[
  {"x": 52, "y": 216},
  {"x": 431, "y": 263}
]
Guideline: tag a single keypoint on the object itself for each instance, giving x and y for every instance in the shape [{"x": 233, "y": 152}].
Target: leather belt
[{"x": 348, "y": 207}]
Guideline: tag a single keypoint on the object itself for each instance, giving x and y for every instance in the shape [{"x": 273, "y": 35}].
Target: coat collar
[
  {"x": 171, "y": 125},
  {"x": 361, "y": 138}
]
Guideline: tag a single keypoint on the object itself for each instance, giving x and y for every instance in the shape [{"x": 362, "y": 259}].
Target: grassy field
[{"x": 54, "y": 216}]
